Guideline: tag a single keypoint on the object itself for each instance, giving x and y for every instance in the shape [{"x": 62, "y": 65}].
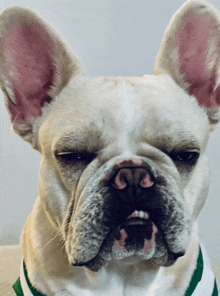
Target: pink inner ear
[
  {"x": 194, "y": 40},
  {"x": 28, "y": 61}
]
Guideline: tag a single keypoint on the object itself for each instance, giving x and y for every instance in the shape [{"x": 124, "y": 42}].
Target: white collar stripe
[
  {"x": 206, "y": 285},
  {"x": 24, "y": 285}
]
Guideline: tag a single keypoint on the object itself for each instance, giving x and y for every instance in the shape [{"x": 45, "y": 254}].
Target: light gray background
[{"x": 111, "y": 38}]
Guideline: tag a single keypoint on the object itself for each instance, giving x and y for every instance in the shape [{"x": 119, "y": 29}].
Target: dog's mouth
[
  {"x": 137, "y": 234},
  {"x": 138, "y": 237}
]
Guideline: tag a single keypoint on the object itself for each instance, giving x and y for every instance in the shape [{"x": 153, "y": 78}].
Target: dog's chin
[{"x": 136, "y": 239}]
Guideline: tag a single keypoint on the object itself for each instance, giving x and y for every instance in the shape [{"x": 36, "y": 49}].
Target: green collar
[
  {"x": 203, "y": 278},
  {"x": 202, "y": 283},
  {"x": 18, "y": 287}
]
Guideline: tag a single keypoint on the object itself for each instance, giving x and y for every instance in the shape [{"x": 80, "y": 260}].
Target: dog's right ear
[{"x": 35, "y": 65}]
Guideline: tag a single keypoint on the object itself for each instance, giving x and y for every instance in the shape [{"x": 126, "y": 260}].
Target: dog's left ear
[
  {"x": 35, "y": 65},
  {"x": 190, "y": 54}
]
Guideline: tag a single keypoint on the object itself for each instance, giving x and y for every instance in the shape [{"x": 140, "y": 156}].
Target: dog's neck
[
  {"x": 130, "y": 278},
  {"x": 125, "y": 276}
]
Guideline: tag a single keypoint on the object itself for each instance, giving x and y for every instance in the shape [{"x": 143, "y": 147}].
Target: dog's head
[{"x": 123, "y": 173}]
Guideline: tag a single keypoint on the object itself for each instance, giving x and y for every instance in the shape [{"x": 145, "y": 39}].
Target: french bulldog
[{"x": 124, "y": 173}]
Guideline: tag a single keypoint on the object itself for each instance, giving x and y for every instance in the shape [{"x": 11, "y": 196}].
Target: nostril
[
  {"x": 144, "y": 178},
  {"x": 123, "y": 178}
]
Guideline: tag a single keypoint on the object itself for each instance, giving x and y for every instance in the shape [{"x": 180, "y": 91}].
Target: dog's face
[
  {"x": 124, "y": 173},
  {"x": 127, "y": 168}
]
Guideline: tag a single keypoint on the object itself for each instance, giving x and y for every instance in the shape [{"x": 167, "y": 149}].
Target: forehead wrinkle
[{"x": 81, "y": 139}]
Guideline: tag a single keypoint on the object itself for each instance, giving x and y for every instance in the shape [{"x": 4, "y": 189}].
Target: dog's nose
[{"x": 132, "y": 176}]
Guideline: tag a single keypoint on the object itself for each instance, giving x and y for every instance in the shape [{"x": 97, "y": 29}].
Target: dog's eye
[
  {"x": 188, "y": 157},
  {"x": 75, "y": 156}
]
